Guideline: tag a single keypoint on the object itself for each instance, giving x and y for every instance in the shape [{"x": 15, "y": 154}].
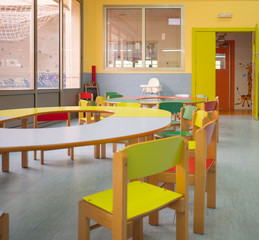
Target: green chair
[
  {"x": 174, "y": 108},
  {"x": 107, "y": 94},
  {"x": 186, "y": 117},
  {"x": 115, "y": 96},
  {"x": 122, "y": 208}
]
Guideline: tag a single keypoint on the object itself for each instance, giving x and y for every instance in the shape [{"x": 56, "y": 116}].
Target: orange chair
[
  {"x": 85, "y": 96},
  {"x": 4, "y": 226},
  {"x": 202, "y": 171}
]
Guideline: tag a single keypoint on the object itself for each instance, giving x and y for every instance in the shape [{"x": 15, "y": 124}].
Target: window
[
  {"x": 19, "y": 54},
  {"x": 144, "y": 38}
]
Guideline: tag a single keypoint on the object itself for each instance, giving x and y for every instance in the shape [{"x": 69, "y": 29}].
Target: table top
[
  {"x": 155, "y": 100},
  {"x": 124, "y": 123}
]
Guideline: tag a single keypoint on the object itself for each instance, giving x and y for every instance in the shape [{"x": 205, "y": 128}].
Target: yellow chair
[
  {"x": 202, "y": 171},
  {"x": 84, "y": 117},
  {"x": 124, "y": 104},
  {"x": 4, "y": 226},
  {"x": 122, "y": 208}
]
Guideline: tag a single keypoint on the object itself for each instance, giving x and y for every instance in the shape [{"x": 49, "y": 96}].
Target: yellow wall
[{"x": 198, "y": 14}]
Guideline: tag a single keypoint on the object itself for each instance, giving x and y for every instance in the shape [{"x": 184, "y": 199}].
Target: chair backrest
[
  {"x": 128, "y": 104},
  {"x": 86, "y": 96},
  {"x": 209, "y": 106},
  {"x": 153, "y": 82},
  {"x": 173, "y": 107},
  {"x": 52, "y": 117},
  {"x": 143, "y": 157},
  {"x": 206, "y": 142},
  {"x": 99, "y": 101},
  {"x": 115, "y": 96},
  {"x": 188, "y": 112},
  {"x": 107, "y": 94},
  {"x": 200, "y": 118},
  {"x": 186, "y": 117},
  {"x": 202, "y": 96}
]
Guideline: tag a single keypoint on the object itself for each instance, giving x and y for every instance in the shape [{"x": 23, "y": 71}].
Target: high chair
[{"x": 122, "y": 208}]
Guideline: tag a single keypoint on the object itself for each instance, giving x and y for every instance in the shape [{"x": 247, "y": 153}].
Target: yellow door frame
[{"x": 195, "y": 79}]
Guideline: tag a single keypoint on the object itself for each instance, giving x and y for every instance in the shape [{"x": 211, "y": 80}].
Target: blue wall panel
[{"x": 128, "y": 84}]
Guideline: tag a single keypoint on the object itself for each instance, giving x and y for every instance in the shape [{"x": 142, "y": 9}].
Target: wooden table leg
[
  {"x": 24, "y": 153},
  {"x": 97, "y": 147},
  {"x": 5, "y": 156}
]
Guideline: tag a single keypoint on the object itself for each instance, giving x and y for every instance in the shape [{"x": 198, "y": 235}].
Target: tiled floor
[{"x": 42, "y": 200}]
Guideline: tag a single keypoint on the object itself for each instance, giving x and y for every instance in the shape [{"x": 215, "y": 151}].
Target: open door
[
  {"x": 203, "y": 68},
  {"x": 255, "y": 72}
]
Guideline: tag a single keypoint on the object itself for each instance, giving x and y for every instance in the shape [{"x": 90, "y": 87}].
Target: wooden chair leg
[
  {"x": 154, "y": 217},
  {"x": 4, "y": 227},
  {"x": 138, "y": 229},
  {"x": 211, "y": 187},
  {"x": 103, "y": 150},
  {"x": 182, "y": 225},
  {"x": 68, "y": 151},
  {"x": 5, "y": 162},
  {"x": 114, "y": 147},
  {"x": 42, "y": 157},
  {"x": 199, "y": 206},
  {"x": 83, "y": 223}
]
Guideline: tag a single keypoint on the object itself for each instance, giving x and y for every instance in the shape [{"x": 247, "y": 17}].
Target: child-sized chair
[
  {"x": 202, "y": 171},
  {"x": 122, "y": 208},
  {"x": 186, "y": 122}
]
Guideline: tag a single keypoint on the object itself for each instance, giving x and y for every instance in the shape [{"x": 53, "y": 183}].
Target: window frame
[{"x": 144, "y": 68}]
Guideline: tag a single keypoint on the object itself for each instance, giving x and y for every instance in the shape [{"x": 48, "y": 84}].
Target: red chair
[
  {"x": 49, "y": 118},
  {"x": 85, "y": 96},
  {"x": 202, "y": 174}
]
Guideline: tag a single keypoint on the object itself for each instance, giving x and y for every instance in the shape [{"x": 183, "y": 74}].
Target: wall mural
[{"x": 246, "y": 98}]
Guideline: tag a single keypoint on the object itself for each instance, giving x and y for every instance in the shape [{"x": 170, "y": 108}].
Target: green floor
[{"x": 42, "y": 200}]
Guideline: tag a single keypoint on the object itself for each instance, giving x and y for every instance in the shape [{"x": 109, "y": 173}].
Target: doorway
[
  {"x": 234, "y": 71},
  {"x": 204, "y": 70}
]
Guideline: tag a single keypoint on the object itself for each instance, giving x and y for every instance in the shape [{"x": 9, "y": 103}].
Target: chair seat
[
  {"x": 175, "y": 122},
  {"x": 173, "y": 133},
  {"x": 142, "y": 198},
  {"x": 192, "y": 165}
]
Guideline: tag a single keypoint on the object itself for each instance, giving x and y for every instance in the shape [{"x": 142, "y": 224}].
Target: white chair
[{"x": 152, "y": 87}]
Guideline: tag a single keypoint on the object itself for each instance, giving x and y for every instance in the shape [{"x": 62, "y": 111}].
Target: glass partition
[{"x": 16, "y": 39}]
